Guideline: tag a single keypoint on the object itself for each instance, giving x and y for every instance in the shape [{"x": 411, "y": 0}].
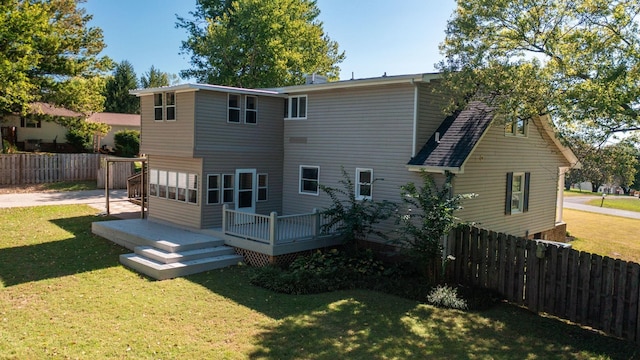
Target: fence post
[
  {"x": 224, "y": 218},
  {"x": 273, "y": 220}
]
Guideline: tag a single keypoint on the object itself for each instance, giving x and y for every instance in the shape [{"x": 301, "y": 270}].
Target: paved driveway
[
  {"x": 119, "y": 206},
  {"x": 578, "y": 203}
]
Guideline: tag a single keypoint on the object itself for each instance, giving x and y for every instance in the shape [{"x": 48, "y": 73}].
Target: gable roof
[
  {"x": 454, "y": 140},
  {"x": 40, "y": 108},
  {"x": 116, "y": 119}
]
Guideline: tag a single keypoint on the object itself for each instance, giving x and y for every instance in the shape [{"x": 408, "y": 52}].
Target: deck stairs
[{"x": 165, "y": 252}]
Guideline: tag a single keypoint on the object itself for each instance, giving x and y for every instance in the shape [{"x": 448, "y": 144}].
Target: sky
[{"x": 377, "y": 36}]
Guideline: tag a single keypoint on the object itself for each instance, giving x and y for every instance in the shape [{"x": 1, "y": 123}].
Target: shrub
[
  {"x": 127, "y": 143},
  {"x": 446, "y": 297}
]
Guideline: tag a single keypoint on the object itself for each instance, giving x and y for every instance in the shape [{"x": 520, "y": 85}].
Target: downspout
[{"x": 415, "y": 118}]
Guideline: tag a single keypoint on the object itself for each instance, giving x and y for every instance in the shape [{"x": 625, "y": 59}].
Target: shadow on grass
[
  {"x": 80, "y": 253},
  {"x": 363, "y": 324}
]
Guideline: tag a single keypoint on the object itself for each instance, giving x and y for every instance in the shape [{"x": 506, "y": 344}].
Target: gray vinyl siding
[
  {"x": 170, "y": 138},
  {"x": 369, "y": 127},
  {"x": 430, "y": 113},
  {"x": 230, "y": 146},
  {"x": 180, "y": 213},
  {"x": 485, "y": 174}
]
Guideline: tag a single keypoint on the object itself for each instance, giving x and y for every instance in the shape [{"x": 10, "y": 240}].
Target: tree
[
  {"x": 258, "y": 43},
  {"x": 127, "y": 143},
  {"x": 429, "y": 215},
  {"x": 117, "y": 97},
  {"x": 157, "y": 78},
  {"x": 607, "y": 164},
  {"x": 49, "y": 54},
  {"x": 575, "y": 59}
]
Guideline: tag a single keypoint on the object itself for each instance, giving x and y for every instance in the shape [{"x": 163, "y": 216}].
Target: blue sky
[{"x": 377, "y": 36}]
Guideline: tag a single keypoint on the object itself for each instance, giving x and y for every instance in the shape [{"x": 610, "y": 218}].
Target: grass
[
  {"x": 606, "y": 235},
  {"x": 620, "y": 203},
  {"x": 578, "y": 192},
  {"x": 63, "y": 294}
]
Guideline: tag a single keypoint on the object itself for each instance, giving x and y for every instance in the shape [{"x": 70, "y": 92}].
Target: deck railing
[{"x": 273, "y": 229}]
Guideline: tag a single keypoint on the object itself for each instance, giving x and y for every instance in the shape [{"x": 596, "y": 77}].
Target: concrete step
[
  {"x": 160, "y": 271},
  {"x": 166, "y": 257}
]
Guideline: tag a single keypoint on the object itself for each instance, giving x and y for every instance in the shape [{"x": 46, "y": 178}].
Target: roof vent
[
  {"x": 438, "y": 137},
  {"x": 315, "y": 79}
]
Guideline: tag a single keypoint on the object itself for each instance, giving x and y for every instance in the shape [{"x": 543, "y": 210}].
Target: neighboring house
[
  {"x": 263, "y": 151},
  {"x": 118, "y": 122},
  {"x": 30, "y": 132}
]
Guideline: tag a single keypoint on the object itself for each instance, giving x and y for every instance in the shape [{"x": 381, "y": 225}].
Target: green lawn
[
  {"x": 577, "y": 192},
  {"x": 617, "y": 202},
  {"x": 63, "y": 294}
]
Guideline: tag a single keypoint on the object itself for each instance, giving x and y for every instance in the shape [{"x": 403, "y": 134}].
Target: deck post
[
  {"x": 273, "y": 220},
  {"x": 224, "y": 217},
  {"x": 316, "y": 223}
]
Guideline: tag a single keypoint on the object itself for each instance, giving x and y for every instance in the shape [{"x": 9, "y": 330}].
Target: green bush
[{"x": 127, "y": 143}]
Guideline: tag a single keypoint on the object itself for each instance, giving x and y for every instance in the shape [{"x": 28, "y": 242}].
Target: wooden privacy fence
[
  {"x": 119, "y": 173},
  {"x": 18, "y": 169},
  {"x": 587, "y": 289}
]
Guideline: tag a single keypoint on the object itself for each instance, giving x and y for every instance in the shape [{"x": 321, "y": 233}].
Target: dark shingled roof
[{"x": 459, "y": 134}]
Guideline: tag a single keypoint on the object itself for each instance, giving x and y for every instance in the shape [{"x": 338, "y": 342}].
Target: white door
[{"x": 245, "y": 190}]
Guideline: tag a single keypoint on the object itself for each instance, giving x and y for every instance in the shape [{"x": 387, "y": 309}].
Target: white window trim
[
  {"x": 300, "y": 191},
  {"x": 520, "y": 207},
  {"x": 167, "y": 106},
  {"x": 266, "y": 187},
  {"x": 163, "y": 181},
  {"x": 209, "y": 189},
  {"x": 239, "y": 108},
  {"x": 246, "y": 109},
  {"x": 306, "y": 108},
  {"x": 358, "y": 183},
  {"x": 161, "y": 107},
  {"x": 232, "y": 188}
]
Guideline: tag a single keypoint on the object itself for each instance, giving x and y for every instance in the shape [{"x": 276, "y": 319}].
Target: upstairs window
[
  {"x": 233, "y": 109},
  {"x": 295, "y": 107},
  {"x": 164, "y": 106},
  {"x": 516, "y": 127},
  {"x": 250, "y": 110},
  {"x": 364, "y": 184}
]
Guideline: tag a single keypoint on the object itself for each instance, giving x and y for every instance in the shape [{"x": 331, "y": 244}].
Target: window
[
  {"x": 234, "y": 109},
  {"x": 171, "y": 106},
  {"x": 173, "y": 185},
  {"x": 364, "y": 183},
  {"x": 251, "y": 110},
  {"x": 213, "y": 189},
  {"x": 227, "y": 188},
  {"x": 516, "y": 127},
  {"x": 262, "y": 187},
  {"x": 30, "y": 123},
  {"x": 309, "y": 176},
  {"x": 517, "y": 199},
  {"x": 164, "y": 106},
  {"x": 153, "y": 182},
  {"x": 295, "y": 107},
  {"x": 157, "y": 106}
]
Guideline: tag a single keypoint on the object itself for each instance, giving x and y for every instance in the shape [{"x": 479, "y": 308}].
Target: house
[
  {"x": 267, "y": 150},
  {"x": 247, "y": 162},
  {"x": 117, "y": 122},
  {"x": 33, "y": 131}
]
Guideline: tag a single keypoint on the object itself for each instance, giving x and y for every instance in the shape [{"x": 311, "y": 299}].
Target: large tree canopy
[
  {"x": 156, "y": 78},
  {"x": 258, "y": 43},
  {"x": 47, "y": 53},
  {"x": 576, "y": 59},
  {"x": 117, "y": 97}
]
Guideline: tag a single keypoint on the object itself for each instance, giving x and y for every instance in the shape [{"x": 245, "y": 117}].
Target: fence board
[
  {"x": 19, "y": 169},
  {"x": 603, "y": 293}
]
